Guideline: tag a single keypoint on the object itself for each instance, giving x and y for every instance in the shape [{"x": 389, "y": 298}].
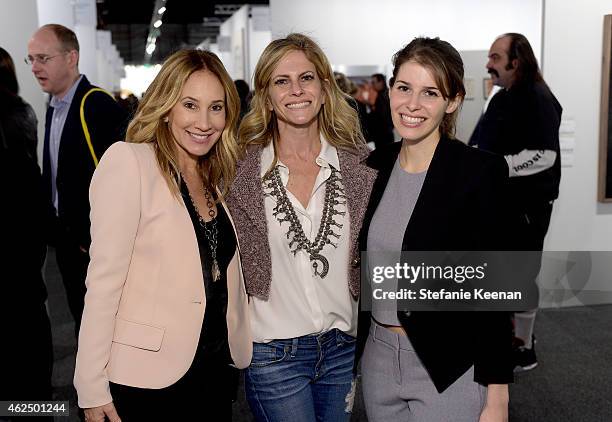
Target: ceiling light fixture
[{"x": 154, "y": 32}]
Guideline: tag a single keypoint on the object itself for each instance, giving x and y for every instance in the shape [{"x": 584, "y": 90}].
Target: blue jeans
[{"x": 303, "y": 379}]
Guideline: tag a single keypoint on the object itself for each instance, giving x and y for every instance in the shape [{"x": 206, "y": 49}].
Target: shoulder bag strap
[{"x": 84, "y": 123}]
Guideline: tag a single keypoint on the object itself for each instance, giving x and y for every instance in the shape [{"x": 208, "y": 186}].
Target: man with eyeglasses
[{"x": 77, "y": 133}]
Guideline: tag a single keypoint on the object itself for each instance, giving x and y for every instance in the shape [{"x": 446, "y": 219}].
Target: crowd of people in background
[{"x": 209, "y": 228}]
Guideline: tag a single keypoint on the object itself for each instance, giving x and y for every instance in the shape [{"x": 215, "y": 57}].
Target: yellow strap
[{"x": 84, "y": 124}]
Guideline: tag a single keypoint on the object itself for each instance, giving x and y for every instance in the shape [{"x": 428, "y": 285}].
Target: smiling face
[
  {"x": 417, "y": 104},
  {"x": 198, "y": 118},
  {"x": 295, "y": 92},
  {"x": 58, "y": 74},
  {"x": 499, "y": 66}
]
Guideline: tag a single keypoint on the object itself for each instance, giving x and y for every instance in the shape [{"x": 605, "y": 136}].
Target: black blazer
[
  {"x": 107, "y": 123},
  {"x": 460, "y": 208}
]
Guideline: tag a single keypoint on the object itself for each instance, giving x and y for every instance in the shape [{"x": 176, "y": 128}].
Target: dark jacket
[
  {"x": 380, "y": 125},
  {"x": 22, "y": 228},
  {"x": 460, "y": 208},
  {"x": 527, "y": 116},
  {"x": 107, "y": 123}
]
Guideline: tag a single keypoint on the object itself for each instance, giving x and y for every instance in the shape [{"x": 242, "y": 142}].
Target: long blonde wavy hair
[
  {"x": 337, "y": 120},
  {"x": 218, "y": 167}
]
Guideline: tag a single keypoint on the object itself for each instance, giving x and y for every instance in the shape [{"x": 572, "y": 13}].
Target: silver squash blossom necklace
[{"x": 284, "y": 212}]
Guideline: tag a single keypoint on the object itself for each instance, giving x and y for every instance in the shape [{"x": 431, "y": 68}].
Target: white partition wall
[
  {"x": 116, "y": 70},
  {"x": 103, "y": 46},
  {"x": 259, "y": 36},
  {"x": 16, "y": 28},
  {"x": 471, "y": 110},
  {"x": 234, "y": 47},
  {"x": 573, "y": 38},
  {"x": 365, "y": 32},
  {"x": 85, "y": 20},
  {"x": 242, "y": 39},
  {"x": 88, "y": 64},
  {"x": 573, "y": 54},
  {"x": 56, "y": 11}
]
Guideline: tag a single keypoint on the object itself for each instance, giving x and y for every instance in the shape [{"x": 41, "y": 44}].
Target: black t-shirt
[{"x": 524, "y": 117}]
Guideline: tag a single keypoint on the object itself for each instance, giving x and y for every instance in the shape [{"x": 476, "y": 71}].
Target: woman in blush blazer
[{"x": 165, "y": 320}]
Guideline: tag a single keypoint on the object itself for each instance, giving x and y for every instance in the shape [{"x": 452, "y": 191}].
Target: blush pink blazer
[{"x": 145, "y": 298}]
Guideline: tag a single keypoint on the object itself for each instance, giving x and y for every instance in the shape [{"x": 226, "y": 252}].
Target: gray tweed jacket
[{"x": 246, "y": 203}]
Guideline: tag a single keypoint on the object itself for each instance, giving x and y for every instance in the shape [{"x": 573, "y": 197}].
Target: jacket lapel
[
  {"x": 46, "y": 172},
  {"x": 72, "y": 133},
  {"x": 357, "y": 179},
  {"x": 247, "y": 191},
  {"x": 435, "y": 187}
]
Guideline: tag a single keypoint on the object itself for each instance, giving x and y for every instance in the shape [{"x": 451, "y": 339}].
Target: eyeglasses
[{"x": 41, "y": 58}]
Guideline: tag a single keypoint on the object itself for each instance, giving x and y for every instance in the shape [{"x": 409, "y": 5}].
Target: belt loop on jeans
[{"x": 294, "y": 346}]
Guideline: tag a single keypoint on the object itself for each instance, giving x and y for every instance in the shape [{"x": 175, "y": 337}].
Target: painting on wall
[{"x": 604, "y": 193}]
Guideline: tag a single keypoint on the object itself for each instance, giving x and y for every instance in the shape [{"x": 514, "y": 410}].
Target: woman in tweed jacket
[{"x": 298, "y": 202}]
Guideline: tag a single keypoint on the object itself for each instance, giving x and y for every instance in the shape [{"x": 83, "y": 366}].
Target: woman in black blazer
[{"x": 434, "y": 193}]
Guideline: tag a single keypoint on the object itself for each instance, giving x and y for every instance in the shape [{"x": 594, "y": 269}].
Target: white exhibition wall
[
  {"x": 573, "y": 39},
  {"x": 248, "y": 30},
  {"x": 234, "y": 28},
  {"x": 366, "y": 32},
  {"x": 16, "y": 28},
  {"x": 573, "y": 57},
  {"x": 471, "y": 109},
  {"x": 56, "y": 11},
  {"x": 259, "y": 36}
]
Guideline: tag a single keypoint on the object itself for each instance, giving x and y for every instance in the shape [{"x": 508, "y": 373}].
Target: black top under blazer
[
  {"x": 107, "y": 123},
  {"x": 460, "y": 208}
]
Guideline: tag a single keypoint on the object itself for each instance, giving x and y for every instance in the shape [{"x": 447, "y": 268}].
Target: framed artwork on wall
[{"x": 604, "y": 191}]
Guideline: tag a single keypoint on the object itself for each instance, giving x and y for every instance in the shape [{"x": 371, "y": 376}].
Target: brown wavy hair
[
  {"x": 218, "y": 167},
  {"x": 337, "y": 120},
  {"x": 446, "y": 67}
]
